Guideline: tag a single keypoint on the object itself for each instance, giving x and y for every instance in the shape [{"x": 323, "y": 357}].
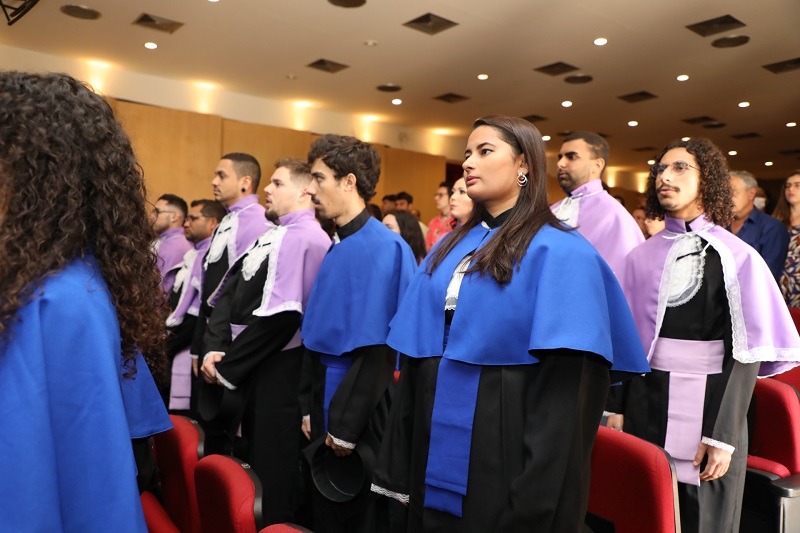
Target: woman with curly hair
[
  {"x": 711, "y": 320},
  {"x": 79, "y": 304},
  {"x": 788, "y": 212}
]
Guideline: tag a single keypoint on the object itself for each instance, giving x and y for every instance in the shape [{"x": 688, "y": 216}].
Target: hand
[
  {"x": 616, "y": 422},
  {"x": 718, "y": 462},
  {"x": 338, "y": 451},
  {"x": 195, "y": 366},
  {"x": 305, "y": 427},
  {"x": 209, "y": 370}
]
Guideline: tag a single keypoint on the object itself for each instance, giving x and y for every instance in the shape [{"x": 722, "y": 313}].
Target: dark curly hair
[
  {"x": 714, "y": 191},
  {"x": 71, "y": 187},
  {"x": 347, "y": 155}
]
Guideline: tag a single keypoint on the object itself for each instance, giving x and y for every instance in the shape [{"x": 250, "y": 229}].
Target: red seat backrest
[
  {"x": 792, "y": 377},
  {"x": 776, "y": 431},
  {"x": 177, "y": 453},
  {"x": 632, "y": 484},
  {"x": 228, "y": 494}
]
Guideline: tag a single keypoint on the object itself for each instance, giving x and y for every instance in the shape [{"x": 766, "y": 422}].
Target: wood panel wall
[{"x": 416, "y": 173}]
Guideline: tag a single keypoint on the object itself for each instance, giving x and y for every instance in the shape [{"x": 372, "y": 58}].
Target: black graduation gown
[{"x": 715, "y": 506}]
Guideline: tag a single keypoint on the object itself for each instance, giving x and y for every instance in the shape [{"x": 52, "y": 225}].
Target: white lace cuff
[
  {"x": 194, "y": 356},
  {"x": 213, "y": 353},
  {"x": 228, "y": 384},
  {"x": 402, "y": 498},
  {"x": 306, "y": 417},
  {"x": 343, "y": 443},
  {"x": 717, "y": 444}
]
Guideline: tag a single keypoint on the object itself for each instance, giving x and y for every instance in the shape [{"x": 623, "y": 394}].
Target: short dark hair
[
  {"x": 246, "y": 165},
  {"x": 598, "y": 144},
  {"x": 299, "y": 170},
  {"x": 211, "y": 209},
  {"x": 390, "y": 198},
  {"x": 445, "y": 185},
  {"x": 403, "y": 195},
  {"x": 347, "y": 155},
  {"x": 714, "y": 190},
  {"x": 176, "y": 201}
]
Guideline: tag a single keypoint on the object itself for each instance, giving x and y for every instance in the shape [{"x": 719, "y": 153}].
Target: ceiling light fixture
[
  {"x": 397, "y": 101},
  {"x": 601, "y": 41},
  {"x": 733, "y": 152},
  {"x": 483, "y": 77},
  {"x": 371, "y": 43},
  {"x": 545, "y": 137},
  {"x": 651, "y": 161},
  {"x": 684, "y": 139},
  {"x": 682, "y": 77},
  {"x": 791, "y": 124},
  {"x": 566, "y": 103},
  {"x": 213, "y": 1},
  {"x": 744, "y": 104},
  {"x": 768, "y": 164},
  {"x": 150, "y": 46},
  {"x": 633, "y": 123}
]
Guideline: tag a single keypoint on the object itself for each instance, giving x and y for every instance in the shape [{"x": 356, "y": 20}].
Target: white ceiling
[{"x": 251, "y": 46}]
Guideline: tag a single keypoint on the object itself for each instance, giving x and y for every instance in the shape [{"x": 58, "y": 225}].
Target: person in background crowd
[
  {"x": 653, "y": 226},
  {"x": 388, "y": 203},
  {"x": 404, "y": 224},
  {"x": 598, "y": 216},
  {"x": 711, "y": 320},
  {"x": 763, "y": 232},
  {"x": 184, "y": 301},
  {"x": 441, "y": 224},
  {"x": 461, "y": 204},
  {"x": 404, "y": 201},
  {"x": 497, "y": 407},
  {"x": 761, "y": 200},
  {"x": 167, "y": 217},
  {"x": 787, "y": 210},
  {"x": 640, "y": 218},
  {"x": 375, "y": 211},
  {"x": 345, "y": 324},
  {"x": 81, "y": 313}
]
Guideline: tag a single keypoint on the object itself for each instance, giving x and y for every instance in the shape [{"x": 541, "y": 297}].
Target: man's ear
[{"x": 349, "y": 182}]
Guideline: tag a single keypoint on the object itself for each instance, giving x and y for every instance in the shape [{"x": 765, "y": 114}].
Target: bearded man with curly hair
[{"x": 711, "y": 319}]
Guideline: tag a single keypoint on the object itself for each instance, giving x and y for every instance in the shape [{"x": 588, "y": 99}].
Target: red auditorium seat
[
  {"x": 177, "y": 452},
  {"x": 633, "y": 484},
  {"x": 229, "y": 495},
  {"x": 792, "y": 377},
  {"x": 772, "y": 487},
  {"x": 285, "y": 528}
]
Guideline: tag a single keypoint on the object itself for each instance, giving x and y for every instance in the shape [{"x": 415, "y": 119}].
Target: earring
[
  {"x": 244, "y": 190},
  {"x": 522, "y": 179}
]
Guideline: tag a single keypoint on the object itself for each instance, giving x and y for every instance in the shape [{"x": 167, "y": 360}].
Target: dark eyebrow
[
  {"x": 318, "y": 174},
  {"x": 567, "y": 153},
  {"x": 481, "y": 145}
]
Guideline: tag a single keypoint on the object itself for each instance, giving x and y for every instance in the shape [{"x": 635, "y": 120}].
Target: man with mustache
[{"x": 600, "y": 218}]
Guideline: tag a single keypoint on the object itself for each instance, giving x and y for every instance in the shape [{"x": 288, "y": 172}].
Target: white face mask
[{"x": 760, "y": 203}]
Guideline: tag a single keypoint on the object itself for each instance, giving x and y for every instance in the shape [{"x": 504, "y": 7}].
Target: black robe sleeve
[
  {"x": 306, "y": 384},
  {"x": 360, "y": 391},
  {"x": 559, "y": 433},
  {"x": 180, "y": 336},
  {"x": 727, "y": 403}
]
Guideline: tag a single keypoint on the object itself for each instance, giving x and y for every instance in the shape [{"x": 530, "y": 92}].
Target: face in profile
[
  {"x": 325, "y": 190},
  {"x": 460, "y": 202},
  {"x": 226, "y": 183},
  {"x": 575, "y": 164},
  {"x": 282, "y": 193},
  {"x": 390, "y": 221},
  {"x": 491, "y": 168}
]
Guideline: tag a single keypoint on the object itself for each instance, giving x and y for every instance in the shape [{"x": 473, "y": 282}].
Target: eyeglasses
[
  {"x": 158, "y": 212},
  {"x": 193, "y": 218},
  {"x": 677, "y": 168}
]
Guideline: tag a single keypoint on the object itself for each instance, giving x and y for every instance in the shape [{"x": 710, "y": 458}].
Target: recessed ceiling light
[
  {"x": 291, "y": 77},
  {"x": 768, "y": 164},
  {"x": 632, "y": 123},
  {"x": 733, "y": 152},
  {"x": 371, "y": 43},
  {"x": 791, "y": 124},
  {"x": 566, "y": 103},
  {"x": 651, "y": 161},
  {"x": 397, "y": 101},
  {"x": 600, "y": 41},
  {"x": 744, "y": 104},
  {"x": 684, "y": 139},
  {"x": 213, "y": 1},
  {"x": 483, "y": 77},
  {"x": 545, "y": 137},
  {"x": 150, "y": 46},
  {"x": 682, "y": 77}
]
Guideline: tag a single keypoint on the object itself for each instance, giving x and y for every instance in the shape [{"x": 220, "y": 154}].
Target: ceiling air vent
[
  {"x": 784, "y": 66},
  {"x": 388, "y": 88},
  {"x": 451, "y": 98},
  {"x": 715, "y": 26},
  {"x": 796, "y": 151},
  {"x": 634, "y": 98},
  {"x": 556, "y": 69},
  {"x": 327, "y": 65},
  {"x": 714, "y": 125},
  {"x": 533, "y": 119},
  {"x": 645, "y": 149},
  {"x": 749, "y": 135},
  {"x": 348, "y": 3},
  {"x": 732, "y": 41},
  {"x": 699, "y": 120},
  {"x": 578, "y": 78},
  {"x": 80, "y": 12},
  {"x": 158, "y": 23},
  {"x": 430, "y": 24}
]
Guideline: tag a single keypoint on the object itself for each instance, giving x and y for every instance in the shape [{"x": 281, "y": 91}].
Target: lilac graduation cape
[
  {"x": 603, "y": 221},
  {"x": 189, "y": 301},
  {"x": 171, "y": 246},
  {"x": 236, "y": 233},
  {"x": 762, "y": 329}
]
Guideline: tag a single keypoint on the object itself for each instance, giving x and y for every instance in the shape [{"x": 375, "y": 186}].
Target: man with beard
[{"x": 167, "y": 217}]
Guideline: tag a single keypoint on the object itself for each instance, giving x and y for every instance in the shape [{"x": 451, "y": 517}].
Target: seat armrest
[{"x": 787, "y": 487}]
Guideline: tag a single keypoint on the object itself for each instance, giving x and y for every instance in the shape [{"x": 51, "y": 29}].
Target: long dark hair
[
  {"x": 503, "y": 253},
  {"x": 71, "y": 187},
  {"x": 715, "y": 184},
  {"x": 783, "y": 210},
  {"x": 410, "y": 231}
]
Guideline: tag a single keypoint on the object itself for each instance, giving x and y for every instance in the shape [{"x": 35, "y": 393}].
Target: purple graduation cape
[
  {"x": 762, "y": 328},
  {"x": 602, "y": 220},
  {"x": 171, "y": 247},
  {"x": 236, "y": 233},
  {"x": 189, "y": 301}
]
